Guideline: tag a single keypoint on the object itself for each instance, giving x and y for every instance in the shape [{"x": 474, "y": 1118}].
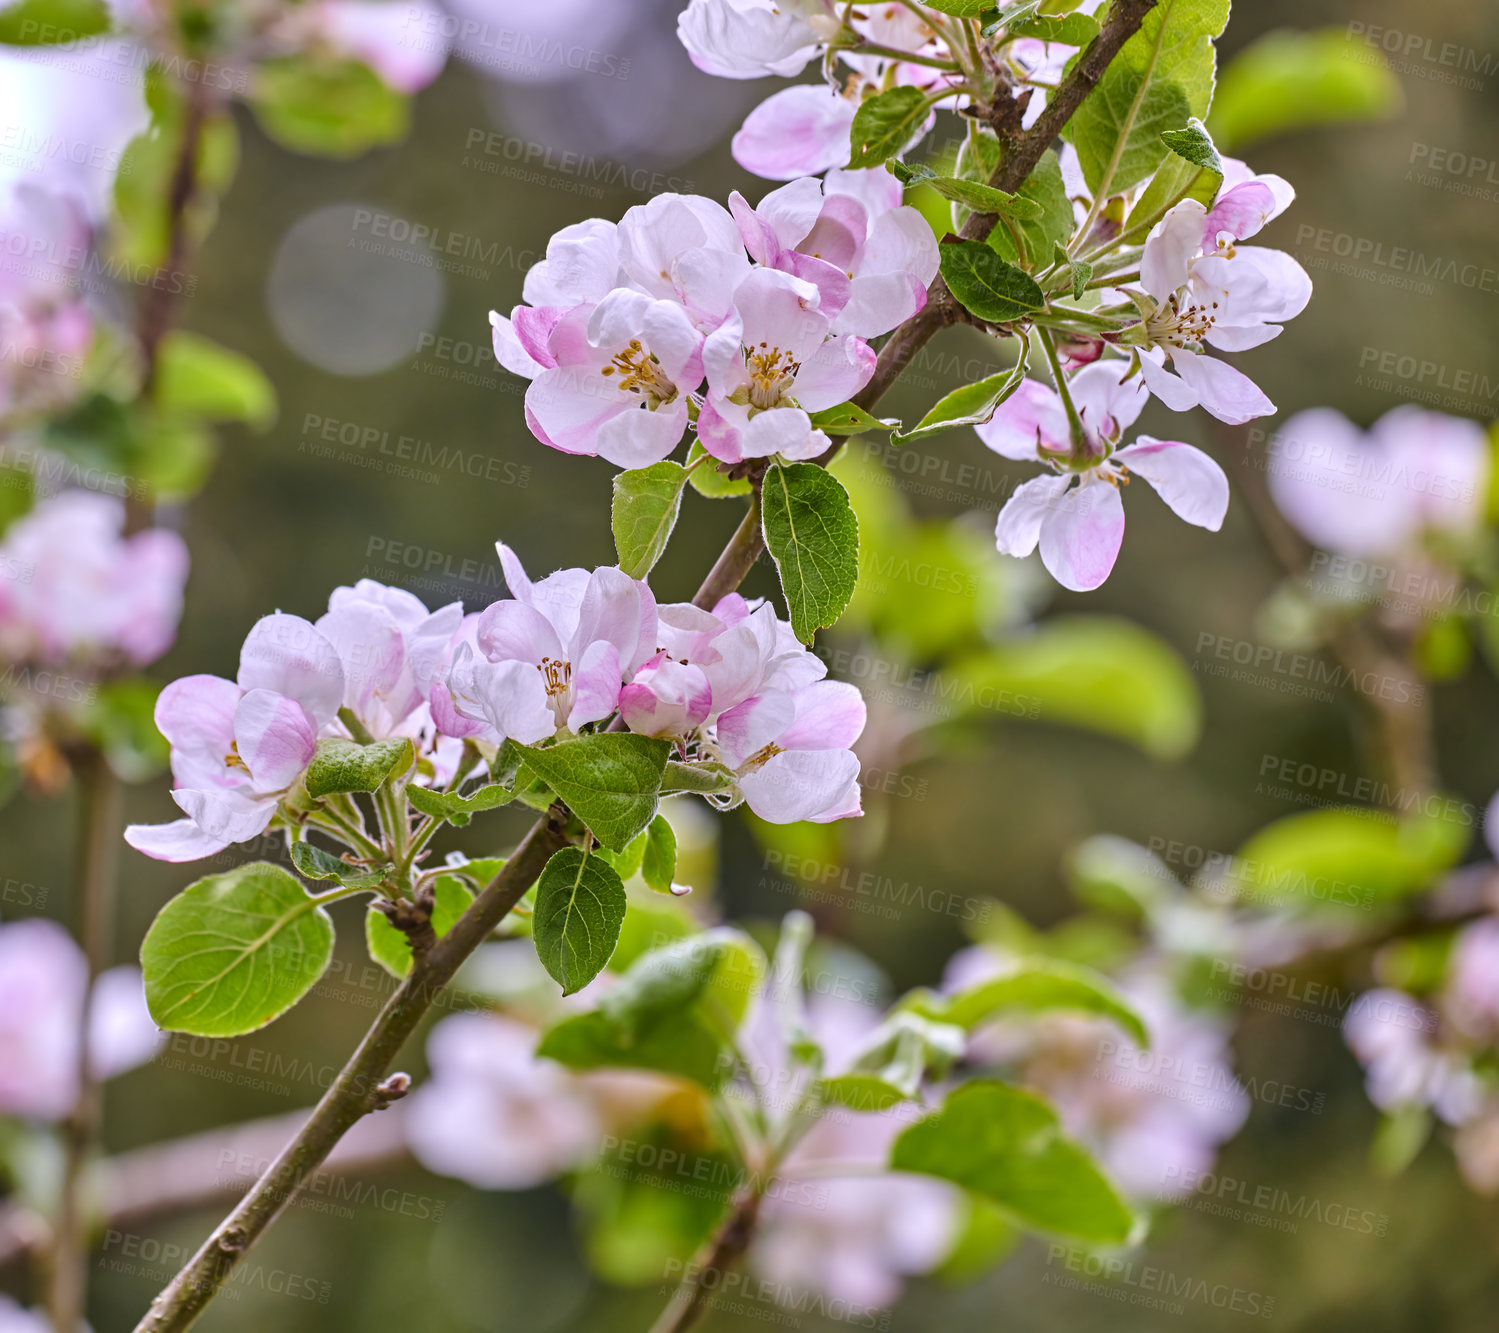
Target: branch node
[{"x": 390, "y": 1090}]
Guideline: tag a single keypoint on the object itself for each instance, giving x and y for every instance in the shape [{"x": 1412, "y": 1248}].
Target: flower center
[
  {"x": 772, "y": 374},
  {"x": 760, "y": 758},
  {"x": 1181, "y": 320},
  {"x": 557, "y": 674},
  {"x": 232, "y": 759},
  {"x": 640, "y": 373}
]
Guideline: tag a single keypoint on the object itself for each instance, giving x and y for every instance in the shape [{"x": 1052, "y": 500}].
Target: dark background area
[{"x": 279, "y": 526}]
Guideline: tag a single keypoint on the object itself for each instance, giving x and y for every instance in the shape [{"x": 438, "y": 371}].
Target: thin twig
[{"x": 98, "y": 875}]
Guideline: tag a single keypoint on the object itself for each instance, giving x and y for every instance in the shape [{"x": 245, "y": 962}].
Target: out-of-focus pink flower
[
  {"x": 43, "y": 979},
  {"x": 17, "y": 1319},
  {"x": 1154, "y": 1117},
  {"x": 1391, "y": 1034},
  {"x": 74, "y": 591},
  {"x": 494, "y": 1113},
  {"x": 1080, "y": 528},
  {"x": 399, "y": 39},
  {"x": 854, "y": 1238},
  {"x": 799, "y": 131},
  {"x": 1415, "y": 472},
  {"x": 1471, "y": 996}
]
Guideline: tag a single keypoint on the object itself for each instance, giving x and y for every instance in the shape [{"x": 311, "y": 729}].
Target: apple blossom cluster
[
  {"x": 77, "y": 593},
  {"x": 804, "y": 129},
  {"x": 743, "y": 320},
  {"x": 1432, "y": 1054},
  {"x": 731, "y": 687}
]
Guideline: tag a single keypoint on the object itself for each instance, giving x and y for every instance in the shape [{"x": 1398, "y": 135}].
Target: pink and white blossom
[
  {"x": 556, "y": 654},
  {"x": 869, "y": 257},
  {"x": 771, "y": 364},
  {"x": 1210, "y": 291},
  {"x": 748, "y": 39},
  {"x": 1075, "y": 513},
  {"x": 238, "y": 746},
  {"x": 792, "y": 754}
]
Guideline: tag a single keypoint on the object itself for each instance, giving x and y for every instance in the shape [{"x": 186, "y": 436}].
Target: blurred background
[{"x": 363, "y": 288}]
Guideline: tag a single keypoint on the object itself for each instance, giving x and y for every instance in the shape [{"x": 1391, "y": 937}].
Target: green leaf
[
  {"x": 963, "y": 9},
  {"x": 978, "y": 196},
  {"x": 1161, "y": 76},
  {"x": 341, "y": 766},
  {"x": 391, "y": 947},
  {"x": 1046, "y": 188},
  {"x": 612, "y": 781},
  {"x": 580, "y": 905},
  {"x": 231, "y": 952},
  {"x": 1099, "y": 672},
  {"x": 327, "y": 107},
  {"x": 141, "y": 236},
  {"x": 627, "y": 863},
  {"x": 1041, "y": 985},
  {"x": 50, "y": 22},
  {"x": 986, "y": 285},
  {"x": 1009, "y": 1146},
  {"x": 195, "y": 375},
  {"x": 1195, "y": 145},
  {"x": 1286, "y": 81},
  {"x": 709, "y": 481},
  {"x": 813, "y": 536},
  {"x": 1068, "y": 29},
  {"x": 849, "y": 419},
  {"x": 704, "y": 778},
  {"x": 1346, "y": 858},
  {"x": 659, "y": 862},
  {"x": 646, "y": 502},
  {"x": 664, "y": 981},
  {"x": 458, "y": 809},
  {"x": 865, "y": 1093},
  {"x": 681, "y": 1044},
  {"x": 972, "y": 405},
  {"x": 885, "y": 124},
  {"x": 313, "y": 862}
]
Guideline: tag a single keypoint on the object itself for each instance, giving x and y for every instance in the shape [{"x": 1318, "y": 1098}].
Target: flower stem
[
  {"x": 1074, "y": 422},
  {"x": 97, "y": 882}
]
